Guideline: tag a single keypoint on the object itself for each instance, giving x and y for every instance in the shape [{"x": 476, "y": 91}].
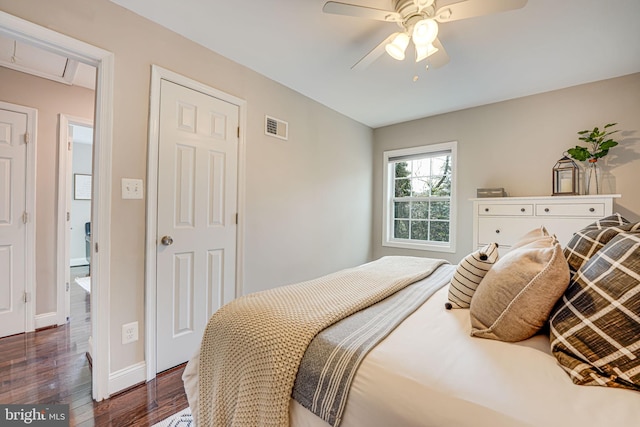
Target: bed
[{"x": 440, "y": 367}]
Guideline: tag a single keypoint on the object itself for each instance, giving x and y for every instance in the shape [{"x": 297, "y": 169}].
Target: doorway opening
[
  {"x": 75, "y": 163},
  {"x": 103, "y": 61}
]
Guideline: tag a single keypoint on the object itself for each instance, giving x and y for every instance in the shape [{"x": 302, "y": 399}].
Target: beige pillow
[
  {"x": 533, "y": 235},
  {"x": 514, "y": 299}
]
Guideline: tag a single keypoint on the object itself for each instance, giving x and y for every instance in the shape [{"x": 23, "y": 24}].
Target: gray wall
[
  {"x": 308, "y": 200},
  {"x": 515, "y": 144}
]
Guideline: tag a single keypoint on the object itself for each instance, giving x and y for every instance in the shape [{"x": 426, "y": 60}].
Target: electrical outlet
[{"x": 129, "y": 332}]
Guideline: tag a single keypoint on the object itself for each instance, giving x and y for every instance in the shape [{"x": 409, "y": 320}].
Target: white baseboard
[
  {"x": 46, "y": 319},
  {"x": 127, "y": 377},
  {"x": 75, "y": 262}
]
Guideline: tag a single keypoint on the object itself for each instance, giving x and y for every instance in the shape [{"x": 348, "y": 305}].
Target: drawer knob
[
  {"x": 486, "y": 209},
  {"x": 592, "y": 209},
  {"x": 522, "y": 209},
  {"x": 497, "y": 231},
  {"x": 546, "y": 209}
]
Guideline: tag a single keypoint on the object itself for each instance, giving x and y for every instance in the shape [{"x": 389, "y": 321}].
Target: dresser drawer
[
  {"x": 504, "y": 231},
  {"x": 595, "y": 210},
  {"x": 504, "y": 220},
  {"x": 505, "y": 210}
]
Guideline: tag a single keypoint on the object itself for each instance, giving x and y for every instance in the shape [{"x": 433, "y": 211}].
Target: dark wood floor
[{"x": 50, "y": 366}]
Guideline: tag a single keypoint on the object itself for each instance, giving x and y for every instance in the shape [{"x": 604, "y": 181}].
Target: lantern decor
[{"x": 566, "y": 180}]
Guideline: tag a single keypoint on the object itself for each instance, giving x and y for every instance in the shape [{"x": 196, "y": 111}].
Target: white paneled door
[
  {"x": 197, "y": 205},
  {"x": 13, "y": 246}
]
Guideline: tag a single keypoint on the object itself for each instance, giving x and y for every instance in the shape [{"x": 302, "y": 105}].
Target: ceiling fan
[{"x": 418, "y": 20}]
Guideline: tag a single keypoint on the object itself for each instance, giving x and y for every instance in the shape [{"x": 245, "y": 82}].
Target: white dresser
[{"x": 505, "y": 219}]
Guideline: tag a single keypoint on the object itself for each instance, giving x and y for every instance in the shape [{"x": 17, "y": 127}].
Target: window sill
[{"x": 448, "y": 248}]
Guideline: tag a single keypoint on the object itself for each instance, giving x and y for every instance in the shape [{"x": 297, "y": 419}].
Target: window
[{"x": 419, "y": 198}]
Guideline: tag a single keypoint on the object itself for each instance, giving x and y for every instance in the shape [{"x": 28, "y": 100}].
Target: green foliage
[
  {"x": 441, "y": 186},
  {"x": 426, "y": 220},
  {"x": 403, "y": 186},
  {"x": 598, "y": 142}
]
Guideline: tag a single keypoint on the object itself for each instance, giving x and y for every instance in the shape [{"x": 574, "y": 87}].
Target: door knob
[{"x": 166, "y": 240}]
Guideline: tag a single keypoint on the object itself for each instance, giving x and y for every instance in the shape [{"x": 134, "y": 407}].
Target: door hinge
[
  {"x": 25, "y": 297},
  {"x": 67, "y": 286},
  {"x": 68, "y": 145},
  {"x": 236, "y": 219},
  {"x": 27, "y": 138},
  {"x": 238, "y": 131},
  {"x": 96, "y": 246},
  {"x": 25, "y": 217},
  {"x": 68, "y": 216}
]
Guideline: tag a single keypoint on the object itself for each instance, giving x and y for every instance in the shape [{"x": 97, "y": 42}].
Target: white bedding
[{"x": 431, "y": 372}]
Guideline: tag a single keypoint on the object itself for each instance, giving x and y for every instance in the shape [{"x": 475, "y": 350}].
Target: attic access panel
[{"x": 23, "y": 57}]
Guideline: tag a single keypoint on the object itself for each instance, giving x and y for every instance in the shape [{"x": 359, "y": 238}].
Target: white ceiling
[{"x": 547, "y": 45}]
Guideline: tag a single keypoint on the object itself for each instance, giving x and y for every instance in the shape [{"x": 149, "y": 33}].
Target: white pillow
[{"x": 468, "y": 275}]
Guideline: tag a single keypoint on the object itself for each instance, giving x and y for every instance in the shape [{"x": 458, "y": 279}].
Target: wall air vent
[{"x": 276, "y": 127}]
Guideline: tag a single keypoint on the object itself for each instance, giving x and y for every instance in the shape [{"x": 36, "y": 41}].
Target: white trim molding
[
  {"x": 77, "y": 262},
  {"x": 127, "y": 377},
  {"x": 158, "y": 74},
  {"x": 45, "y": 320},
  {"x": 103, "y": 60}
]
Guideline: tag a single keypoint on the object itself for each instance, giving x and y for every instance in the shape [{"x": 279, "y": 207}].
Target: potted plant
[{"x": 598, "y": 145}]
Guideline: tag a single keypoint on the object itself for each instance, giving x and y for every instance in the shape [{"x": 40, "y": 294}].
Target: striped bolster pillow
[{"x": 468, "y": 275}]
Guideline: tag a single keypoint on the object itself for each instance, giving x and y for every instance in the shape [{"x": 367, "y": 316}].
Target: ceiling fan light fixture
[
  {"x": 398, "y": 45},
  {"x": 425, "y": 51},
  {"x": 421, "y": 4},
  {"x": 425, "y": 32},
  {"x": 445, "y": 14}
]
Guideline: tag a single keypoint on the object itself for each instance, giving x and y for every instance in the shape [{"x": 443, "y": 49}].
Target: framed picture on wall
[{"x": 81, "y": 186}]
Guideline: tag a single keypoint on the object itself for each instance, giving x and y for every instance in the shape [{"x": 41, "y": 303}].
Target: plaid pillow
[
  {"x": 595, "y": 327},
  {"x": 586, "y": 242},
  {"x": 468, "y": 275}
]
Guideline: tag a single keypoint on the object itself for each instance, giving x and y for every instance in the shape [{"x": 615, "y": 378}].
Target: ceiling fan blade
[
  {"x": 471, "y": 8},
  {"x": 374, "y": 54},
  {"x": 439, "y": 58},
  {"x": 338, "y": 8}
]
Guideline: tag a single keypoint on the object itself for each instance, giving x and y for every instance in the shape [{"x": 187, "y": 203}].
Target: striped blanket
[
  {"x": 252, "y": 347},
  {"x": 332, "y": 358}
]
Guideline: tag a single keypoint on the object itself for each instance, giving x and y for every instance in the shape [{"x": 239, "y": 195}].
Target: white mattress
[{"x": 431, "y": 372}]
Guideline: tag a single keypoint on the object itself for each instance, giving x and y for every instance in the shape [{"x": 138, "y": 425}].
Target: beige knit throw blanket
[{"x": 252, "y": 347}]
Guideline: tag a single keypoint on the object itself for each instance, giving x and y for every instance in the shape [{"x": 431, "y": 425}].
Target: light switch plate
[{"x": 132, "y": 188}]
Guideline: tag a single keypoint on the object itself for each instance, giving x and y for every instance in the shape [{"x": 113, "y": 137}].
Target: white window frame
[{"x": 388, "y": 195}]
